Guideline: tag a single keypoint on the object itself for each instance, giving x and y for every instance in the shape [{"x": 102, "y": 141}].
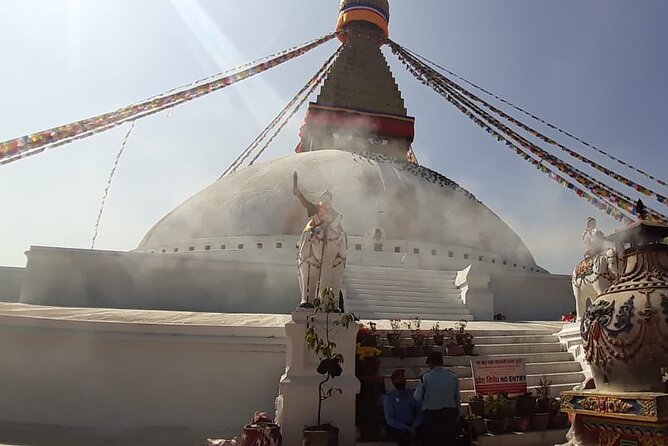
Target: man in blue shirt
[
  {"x": 438, "y": 395},
  {"x": 402, "y": 413}
]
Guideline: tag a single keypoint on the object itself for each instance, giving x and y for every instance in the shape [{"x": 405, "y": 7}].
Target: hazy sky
[{"x": 597, "y": 68}]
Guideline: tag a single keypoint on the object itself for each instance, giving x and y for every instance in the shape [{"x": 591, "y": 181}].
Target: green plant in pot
[
  {"x": 525, "y": 407},
  {"x": 318, "y": 339},
  {"x": 497, "y": 407},
  {"x": 541, "y": 418},
  {"x": 468, "y": 345},
  {"x": 418, "y": 337},
  {"x": 437, "y": 334},
  {"x": 460, "y": 331},
  {"x": 477, "y": 405},
  {"x": 558, "y": 419}
]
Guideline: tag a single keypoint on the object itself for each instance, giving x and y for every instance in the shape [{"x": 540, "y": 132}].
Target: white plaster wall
[
  {"x": 532, "y": 297},
  {"x": 11, "y": 280},
  {"x": 116, "y": 369}
]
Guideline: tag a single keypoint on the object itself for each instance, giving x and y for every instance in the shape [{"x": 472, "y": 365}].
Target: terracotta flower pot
[
  {"x": 438, "y": 339},
  {"x": 261, "y": 434},
  {"x": 454, "y": 350},
  {"x": 321, "y": 436},
  {"x": 477, "y": 408},
  {"x": 540, "y": 421},
  {"x": 478, "y": 425},
  {"x": 399, "y": 352},
  {"x": 414, "y": 352},
  {"x": 559, "y": 421},
  {"x": 520, "y": 424},
  {"x": 494, "y": 426}
]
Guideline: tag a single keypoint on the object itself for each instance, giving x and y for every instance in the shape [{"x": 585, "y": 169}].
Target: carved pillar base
[
  {"x": 297, "y": 403},
  {"x": 618, "y": 419}
]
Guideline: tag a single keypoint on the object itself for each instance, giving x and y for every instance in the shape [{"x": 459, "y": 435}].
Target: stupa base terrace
[
  {"x": 84, "y": 374},
  {"x": 256, "y": 274}
]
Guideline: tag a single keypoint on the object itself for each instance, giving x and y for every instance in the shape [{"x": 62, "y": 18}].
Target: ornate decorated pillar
[{"x": 625, "y": 340}]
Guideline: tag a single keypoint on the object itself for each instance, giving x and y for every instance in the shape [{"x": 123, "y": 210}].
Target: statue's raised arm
[{"x": 311, "y": 209}]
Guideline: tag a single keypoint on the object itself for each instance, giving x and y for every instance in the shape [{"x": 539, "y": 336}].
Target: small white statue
[
  {"x": 322, "y": 248},
  {"x": 601, "y": 265}
]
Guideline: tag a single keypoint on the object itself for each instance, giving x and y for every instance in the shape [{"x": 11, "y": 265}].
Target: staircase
[
  {"x": 399, "y": 293},
  {"x": 544, "y": 357}
]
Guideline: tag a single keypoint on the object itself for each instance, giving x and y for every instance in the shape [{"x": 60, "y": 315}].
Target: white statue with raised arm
[{"x": 322, "y": 248}]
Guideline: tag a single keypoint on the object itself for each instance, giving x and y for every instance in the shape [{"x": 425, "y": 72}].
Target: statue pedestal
[
  {"x": 297, "y": 403},
  {"x": 619, "y": 419}
]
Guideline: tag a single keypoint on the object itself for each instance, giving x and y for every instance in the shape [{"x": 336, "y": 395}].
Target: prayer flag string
[
  {"x": 310, "y": 86},
  {"x": 597, "y": 200},
  {"x": 27, "y": 145},
  {"x": 592, "y": 184},
  {"x": 541, "y": 120}
]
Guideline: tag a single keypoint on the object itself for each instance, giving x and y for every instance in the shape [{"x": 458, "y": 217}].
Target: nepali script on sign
[{"x": 499, "y": 376}]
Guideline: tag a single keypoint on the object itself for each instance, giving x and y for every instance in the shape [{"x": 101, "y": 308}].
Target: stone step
[
  {"x": 404, "y": 306},
  {"x": 416, "y": 309},
  {"x": 399, "y": 281},
  {"x": 522, "y": 339},
  {"x": 384, "y": 286},
  {"x": 410, "y": 272},
  {"x": 466, "y": 383},
  {"x": 494, "y": 349},
  {"x": 531, "y": 438},
  {"x": 436, "y": 302},
  {"x": 431, "y": 315},
  {"x": 402, "y": 292},
  {"x": 473, "y": 331},
  {"x": 368, "y": 296},
  {"x": 464, "y": 371},
  {"x": 398, "y": 363},
  {"x": 402, "y": 300}
]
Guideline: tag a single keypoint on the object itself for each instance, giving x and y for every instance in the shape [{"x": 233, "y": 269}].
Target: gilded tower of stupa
[{"x": 360, "y": 106}]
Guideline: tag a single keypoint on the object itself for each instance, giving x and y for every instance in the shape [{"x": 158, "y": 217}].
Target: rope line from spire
[
  {"x": 27, "y": 145},
  {"x": 601, "y": 193},
  {"x": 315, "y": 83},
  {"x": 303, "y": 93},
  {"x": 595, "y": 186},
  {"x": 621, "y": 179},
  {"x": 539, "y": 119},
  {"x": 105, "y": 194},
  {"x": 601, "y": 190}
]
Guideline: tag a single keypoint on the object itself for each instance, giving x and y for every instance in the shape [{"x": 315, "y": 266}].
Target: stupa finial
[{"x": 373, "y": 12}]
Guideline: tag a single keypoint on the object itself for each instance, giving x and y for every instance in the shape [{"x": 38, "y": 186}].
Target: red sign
[{"x": 499, "y": 376}]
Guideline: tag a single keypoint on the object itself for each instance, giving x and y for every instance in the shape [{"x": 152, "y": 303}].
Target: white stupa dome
[{"x": 407, "y": 202}]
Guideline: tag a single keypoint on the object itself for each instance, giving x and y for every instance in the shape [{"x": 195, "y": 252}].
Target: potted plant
[
  {"x": 477, "y": 424},
  {"x": 541, "y": 418},
  {"x": 394, "y": 334},
  {"x": 437, "y": 334},
  {"x": 477, "y": 405},
  {"x": 318, "y": 339},
  {"x": 496, "y": 408},
  {"x": 558, "y": 419},
  {"x": 366, "y": 360},
  {"x": 367, "y": 335},
  {"x": 460, "y": 331},
  {"x": 418, "y": 337},
  {"x": 468, "y": 345},
  {"x": 525, "y": 406}
]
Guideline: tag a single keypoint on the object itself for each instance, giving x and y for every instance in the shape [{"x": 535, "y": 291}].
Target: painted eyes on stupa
[
  {"x": 378, "y": 141},
  {"x": 343, "y": 137}
]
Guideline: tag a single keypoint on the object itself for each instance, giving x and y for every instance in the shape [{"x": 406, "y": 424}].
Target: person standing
[
  {"x": 402, "y": 413},
  {"x": 438, "y": 395}
]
